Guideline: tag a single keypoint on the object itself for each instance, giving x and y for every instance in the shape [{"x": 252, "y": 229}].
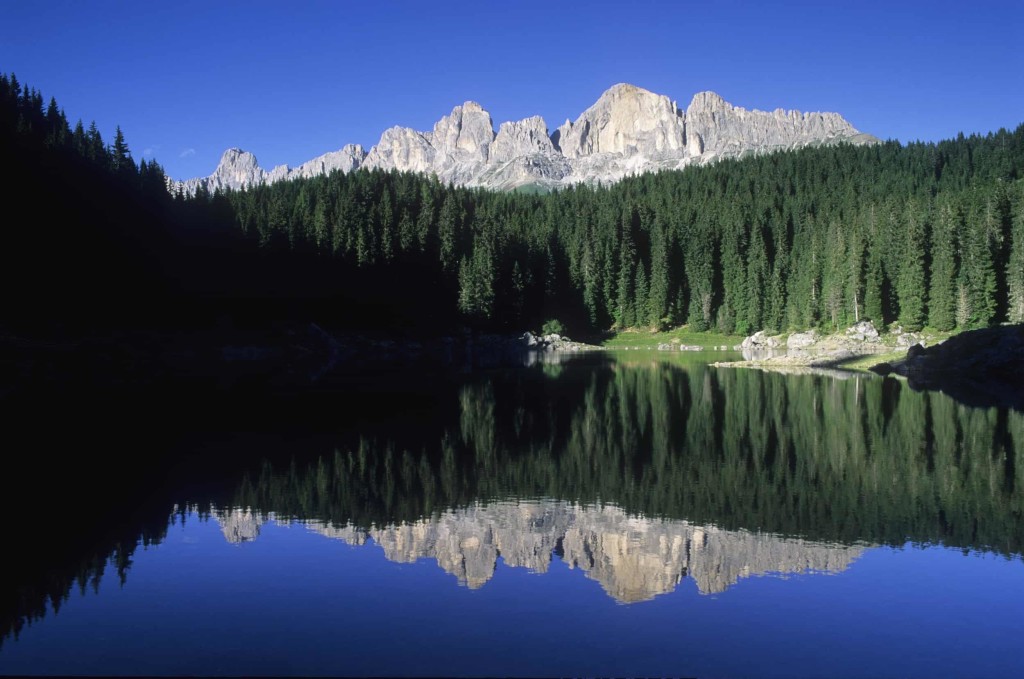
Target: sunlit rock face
[
  {"x": 239, "y": 525},
  {"x": 722, "y": 129},
  {"x": 629, "y": 130},
  {"x": 627, "y": 121},
  {"x": 239, "y": 170},
  {"x": 633, "y": 558}
]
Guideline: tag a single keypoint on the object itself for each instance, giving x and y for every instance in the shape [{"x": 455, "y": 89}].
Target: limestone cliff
[{"x": 628, "y": 130}]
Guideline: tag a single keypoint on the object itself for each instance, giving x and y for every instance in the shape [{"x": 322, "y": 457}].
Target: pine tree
[
  {"x": 978, "y": 279},
  {"x": 641, "y": 289},
  {"x": 386, "y": 215},
  {"x": 120, "y": 158},
  {"x": 756, "y": 280},
  {"x": 447, "y": 232},
  {"x": 658, "y": 297},
  {"x": 942, "y": 289},
  {"x": 625, "y": 315},
  {"x": 911, "y": 278},
  {"x": 699, "y": 268},
  {"x": 1015, "y": 267},
  {"x": 476, "y": 283}
]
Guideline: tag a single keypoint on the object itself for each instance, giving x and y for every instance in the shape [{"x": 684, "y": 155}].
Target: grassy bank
[
  {"x": 865, "y": 362},
  {"x": 645, "y": 339}
]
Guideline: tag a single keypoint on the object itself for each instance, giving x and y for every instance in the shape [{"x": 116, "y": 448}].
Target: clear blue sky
[{"x": 291, "y": 80}]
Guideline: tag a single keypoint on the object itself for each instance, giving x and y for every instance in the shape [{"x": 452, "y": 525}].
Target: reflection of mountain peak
[
  {"x": 239, "y": 525},
  {"x": 633, "y": 558}
]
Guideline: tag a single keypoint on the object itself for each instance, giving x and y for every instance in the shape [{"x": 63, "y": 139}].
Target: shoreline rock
[
  {"x": 982, "y": 368},
  {"x": 810, "y": 349}
]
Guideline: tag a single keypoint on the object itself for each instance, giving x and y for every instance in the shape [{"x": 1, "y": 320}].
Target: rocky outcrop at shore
[
  {"x": 979, "y": 367},
  {"x": 810, "y": 348}
]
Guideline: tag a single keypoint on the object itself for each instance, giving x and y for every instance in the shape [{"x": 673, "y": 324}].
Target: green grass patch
[
  {"x": 644, "y": 339},
  {"x": 865, "y": 362}
]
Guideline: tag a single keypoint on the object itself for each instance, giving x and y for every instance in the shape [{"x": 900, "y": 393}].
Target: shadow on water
[{"x": 813, "y": 457}]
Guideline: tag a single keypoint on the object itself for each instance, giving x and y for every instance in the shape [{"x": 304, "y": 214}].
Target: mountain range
[
  {"x": 634, "y": 558},
  {"x": 629, "y": 130}
]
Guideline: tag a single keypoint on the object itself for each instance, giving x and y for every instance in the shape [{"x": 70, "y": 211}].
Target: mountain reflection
[
  {"x": 633, "y": 558},
  {"x": 638, "y": 472}
]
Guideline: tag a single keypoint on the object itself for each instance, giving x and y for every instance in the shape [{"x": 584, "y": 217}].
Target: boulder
[
  {"x": 760, "y": 340},
  {"x": 907, "y": 339},
  {"x": 863, "y": 332},
  {"x": 801, "y": 340}
]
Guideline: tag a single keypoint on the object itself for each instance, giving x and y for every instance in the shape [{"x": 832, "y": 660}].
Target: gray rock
[
  {"x": 625, "y": 120},
  {"x": 522, "y": 138},
  {"x": 907, "y": 339},
  {"x": 760, "y": 340},
  {"x": 724, "y": 129},
  {"x": 863, "y": 332},
  {"x": 628, "y": 130},
  {"x": 801, "y": 340}
]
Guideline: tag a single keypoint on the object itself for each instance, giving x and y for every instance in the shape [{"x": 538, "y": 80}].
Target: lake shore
[{"x": 857, "y": 348}]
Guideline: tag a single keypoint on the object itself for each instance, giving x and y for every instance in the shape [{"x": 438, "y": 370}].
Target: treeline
[
  {"x": 920, "y": 234},
  {"x": 93, "y": 237}
]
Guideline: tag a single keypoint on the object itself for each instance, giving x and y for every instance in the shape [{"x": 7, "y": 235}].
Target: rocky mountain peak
[
  {"x": 707, "y": 101},
  {"x": 237, "y": 158},
  {"x": 628, "y": 130},
  {"x": 522, "y": 138},
  {"x": 467, "y": 130},
  {"x": 625, "y": 120}
]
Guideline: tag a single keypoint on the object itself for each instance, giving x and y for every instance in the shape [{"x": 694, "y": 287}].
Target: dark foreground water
[{"x": 598, "y": 517}]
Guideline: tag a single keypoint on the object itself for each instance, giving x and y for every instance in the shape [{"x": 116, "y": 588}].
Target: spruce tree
[
  {"x": 1015, "y": 266},
  {"x": 978, "y": 279},
  {"x": 911, "y": 274},
  {"x": 942, "y": 289}
]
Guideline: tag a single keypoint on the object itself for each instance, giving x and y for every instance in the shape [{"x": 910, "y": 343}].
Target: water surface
[{"x": 614, "y": 515}]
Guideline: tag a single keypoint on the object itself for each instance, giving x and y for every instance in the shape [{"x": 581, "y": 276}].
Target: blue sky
[{"x": 291, "y": 80}]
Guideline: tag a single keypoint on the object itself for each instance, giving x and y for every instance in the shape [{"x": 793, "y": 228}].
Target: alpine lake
[{"x": 607, "y": 514}]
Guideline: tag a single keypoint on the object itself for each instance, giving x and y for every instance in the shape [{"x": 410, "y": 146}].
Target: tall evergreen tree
[
  {"x": 911, "y": 273},
  {"x": 942, "y": 287},
  {"x": 1015, "y": 266},
  {"x": 977, "y": 306}
]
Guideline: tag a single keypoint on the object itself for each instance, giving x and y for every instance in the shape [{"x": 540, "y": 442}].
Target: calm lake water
[{"x": 617, "y": 515}]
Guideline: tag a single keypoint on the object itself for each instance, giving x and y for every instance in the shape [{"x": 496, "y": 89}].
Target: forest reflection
[
  {"x": 820, "y": 457},
  {"x": 602, "y": 460}
]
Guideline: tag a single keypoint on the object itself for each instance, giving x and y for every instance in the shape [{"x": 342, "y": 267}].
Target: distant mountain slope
[{"x": 628, "y": 130}]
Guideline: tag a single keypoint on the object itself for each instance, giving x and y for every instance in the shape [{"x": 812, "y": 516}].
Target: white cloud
[
  {"x": 148, "y": 151},
  {"x": 186, "y": 153}
]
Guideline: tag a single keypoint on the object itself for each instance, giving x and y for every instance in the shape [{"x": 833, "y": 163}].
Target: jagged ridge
[
  {"x": 627, "y": 131},
  {"x": 634, "y": 558}
]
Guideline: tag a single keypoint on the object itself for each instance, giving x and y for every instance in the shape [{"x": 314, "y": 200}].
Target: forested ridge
[{"x": 919, "y": 234}]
